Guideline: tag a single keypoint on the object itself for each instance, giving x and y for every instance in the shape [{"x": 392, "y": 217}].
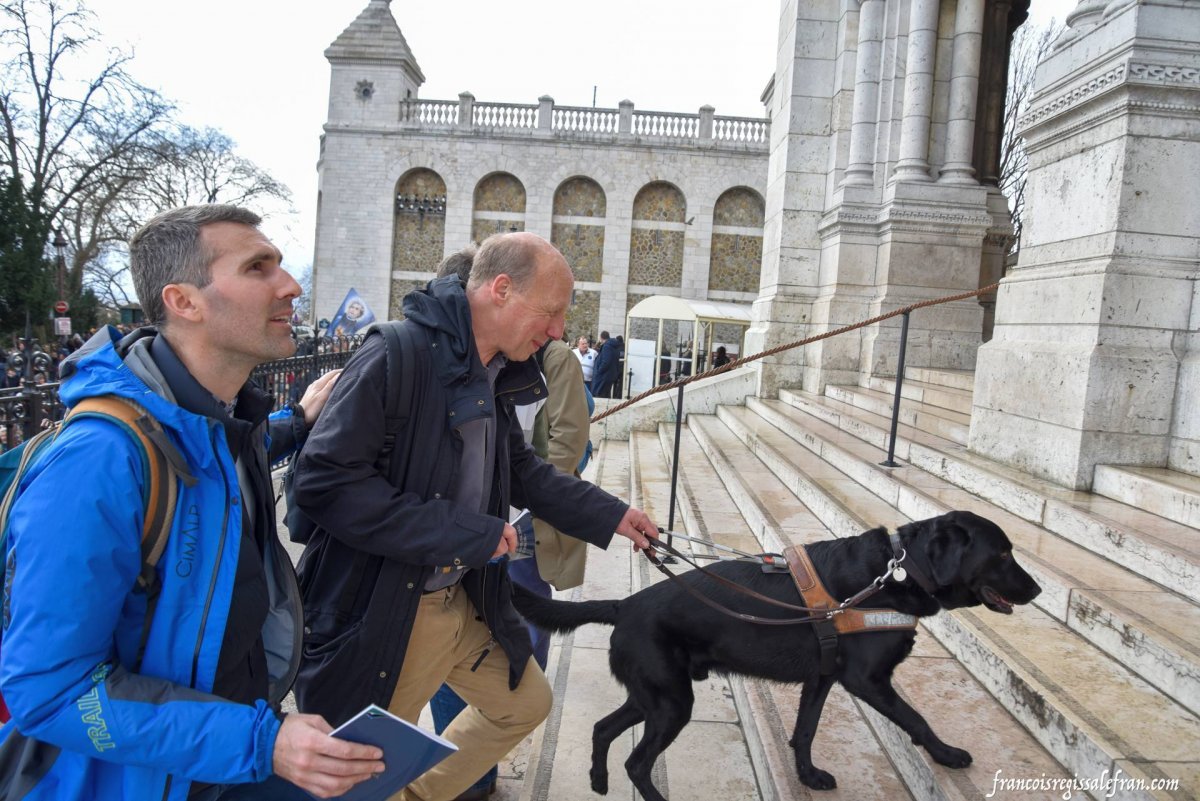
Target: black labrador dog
[{"x": 664, "y": 638}]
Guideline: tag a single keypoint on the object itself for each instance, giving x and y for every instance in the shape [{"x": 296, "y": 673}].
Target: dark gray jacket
[{"x": 381, "y": 536}]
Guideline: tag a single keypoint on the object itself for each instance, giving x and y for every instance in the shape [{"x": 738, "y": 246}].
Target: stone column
[
  {"x": 964, "y": 93},
  {"x": 993, "y": 88},
  {"x": 1093, "y": 361},
  {"x": 545, "y": 112},
  {"x": 918, "y": 92},
  {"x": 801, "y": 111},
  {"x": 861, "y": 169},
  {"x": 466, "y": 110},
  {"x": 706, "y": 124}
]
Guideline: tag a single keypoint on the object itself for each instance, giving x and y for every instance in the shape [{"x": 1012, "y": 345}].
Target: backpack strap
[
  {"x": 401, "y": 347},
  {"x": 164, "y": 468},
  {"x": 29, "y": 452}
]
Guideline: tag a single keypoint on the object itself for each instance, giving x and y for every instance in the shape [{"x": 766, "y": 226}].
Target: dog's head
[{"x": 970, "y": 562}]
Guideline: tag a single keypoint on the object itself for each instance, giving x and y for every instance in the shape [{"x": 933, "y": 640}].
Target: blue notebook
[{"x": 408, "y": 751}]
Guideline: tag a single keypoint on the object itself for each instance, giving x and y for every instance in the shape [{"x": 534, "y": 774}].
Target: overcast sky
[{"x": 255, "y": 68}]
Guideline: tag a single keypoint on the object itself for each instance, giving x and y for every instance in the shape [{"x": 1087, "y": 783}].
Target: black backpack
[{"x": 400, "y": 340}]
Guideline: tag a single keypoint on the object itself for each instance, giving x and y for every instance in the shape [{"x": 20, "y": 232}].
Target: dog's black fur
[{"x": 664, "y": 638}]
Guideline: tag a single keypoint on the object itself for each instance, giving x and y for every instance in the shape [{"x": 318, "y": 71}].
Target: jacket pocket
[
  {"x": 320, "y": 641},
  {"x": 333, "y": 677}
]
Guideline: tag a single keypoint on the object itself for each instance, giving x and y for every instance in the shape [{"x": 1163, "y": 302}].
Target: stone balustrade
[{"x": 623, "y": 124}]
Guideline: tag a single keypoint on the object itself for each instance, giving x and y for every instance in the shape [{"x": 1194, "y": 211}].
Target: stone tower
[
  {"x": 373, "y": 70},
  {"x": 373, "y": 74}
]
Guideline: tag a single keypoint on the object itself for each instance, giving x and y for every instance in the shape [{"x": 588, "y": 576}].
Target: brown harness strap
[{"x": 841, "y": 619}]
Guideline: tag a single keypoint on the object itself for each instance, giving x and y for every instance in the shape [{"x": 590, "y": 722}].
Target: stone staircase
[{"x": 1101, "y": 674}]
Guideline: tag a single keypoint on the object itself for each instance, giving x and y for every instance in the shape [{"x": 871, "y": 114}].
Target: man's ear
[
  {"x": 502, "y": 288},
  {"x": 945, "y": 550},
  {"x": 182, "y": 301}
]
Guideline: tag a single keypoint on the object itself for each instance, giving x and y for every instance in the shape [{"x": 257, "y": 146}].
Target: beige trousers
[{"x": 447, "y": 644}]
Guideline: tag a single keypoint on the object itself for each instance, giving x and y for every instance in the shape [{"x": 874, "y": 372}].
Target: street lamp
[{"x": 60, "y": 250}]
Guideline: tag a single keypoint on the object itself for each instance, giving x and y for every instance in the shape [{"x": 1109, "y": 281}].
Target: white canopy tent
[{"x": 641, "y": 361}]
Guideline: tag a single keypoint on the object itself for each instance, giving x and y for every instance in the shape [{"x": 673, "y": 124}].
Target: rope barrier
[{"x": 679, "y": 382}]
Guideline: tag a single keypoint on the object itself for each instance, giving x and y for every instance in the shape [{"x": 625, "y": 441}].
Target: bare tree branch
[
  {"x": 97, "y": 157},
  {"x": 1030, "y": 45}
]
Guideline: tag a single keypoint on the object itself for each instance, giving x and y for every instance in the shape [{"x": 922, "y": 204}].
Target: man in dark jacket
[
  {"x": 403, "y": 590},
  {"x": 606, "y": 368}
]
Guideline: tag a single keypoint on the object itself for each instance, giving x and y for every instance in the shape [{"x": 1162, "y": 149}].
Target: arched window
[
  {"x": 656, "y": 242},
  {"x": 577, "y": 230},
  {"x": 737, "y": 241},
  {"x": 418, "y": 232},
  {"x": 499, "y": 206}
]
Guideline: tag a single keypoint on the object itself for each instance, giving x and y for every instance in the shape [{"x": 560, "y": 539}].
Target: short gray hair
[
  {"x": 168, "y": 250},
  {"x": 458, "y": 264},
  {"x": 507, "y": 254}
]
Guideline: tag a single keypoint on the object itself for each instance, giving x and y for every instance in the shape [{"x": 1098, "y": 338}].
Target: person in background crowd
[
  {"x": 586, "y": 357},
  {"x": 606, "y": 369}
]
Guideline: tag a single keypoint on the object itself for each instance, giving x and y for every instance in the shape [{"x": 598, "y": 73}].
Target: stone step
[
  {"x": 1154, "y": 632},
  {"x": 709, "y": 756},
  {"x": 927, "y": 678},
  {"x": 1167, "y": 493},
  {"x": 1158, "y": 549},
  {"x": 1030, "y": 681},
  {"x": 934, "y": 419},
  {"x": 957, "y": 400},
  {"x": 942, "y": 377}
]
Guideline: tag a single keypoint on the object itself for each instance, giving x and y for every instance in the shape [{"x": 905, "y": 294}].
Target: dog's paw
[
  {"x": 950, "y": 756},
  {"x": 599, "y": 781},
  {"x": 817, "y": 779}
]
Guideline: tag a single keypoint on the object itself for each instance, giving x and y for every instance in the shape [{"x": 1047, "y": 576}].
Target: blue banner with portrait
[{"x": 352, "y": 316}]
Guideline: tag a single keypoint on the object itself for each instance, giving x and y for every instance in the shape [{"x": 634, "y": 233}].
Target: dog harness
[{"x": 839, "y": 619}]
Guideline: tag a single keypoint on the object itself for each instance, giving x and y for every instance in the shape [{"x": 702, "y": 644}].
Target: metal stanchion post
[
  {"x": 891, "y": 456},
  {"x": 674, "y": 469}
]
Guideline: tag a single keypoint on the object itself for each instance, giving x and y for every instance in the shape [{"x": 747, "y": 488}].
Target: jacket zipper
[{"x": 212, "y": 584}]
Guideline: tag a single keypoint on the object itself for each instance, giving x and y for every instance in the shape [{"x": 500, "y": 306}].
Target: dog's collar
[{"x": 907, "y": 563}]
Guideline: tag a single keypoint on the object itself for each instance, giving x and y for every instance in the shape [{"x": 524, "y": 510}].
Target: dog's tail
[{"x": 562, "y": 616}]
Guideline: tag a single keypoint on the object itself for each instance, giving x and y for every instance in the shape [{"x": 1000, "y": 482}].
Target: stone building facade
[
  {"x": 640, "y": 203},
  {"x": 873, "y": 186}
]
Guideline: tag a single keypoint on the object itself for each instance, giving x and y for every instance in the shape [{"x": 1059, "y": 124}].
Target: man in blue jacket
[
  {"x": 107, "y": 701},
  {"x": 402, "y": 590}
]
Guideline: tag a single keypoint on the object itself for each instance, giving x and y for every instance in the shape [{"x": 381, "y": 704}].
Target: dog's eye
[{"x": 1006, "y": 555}]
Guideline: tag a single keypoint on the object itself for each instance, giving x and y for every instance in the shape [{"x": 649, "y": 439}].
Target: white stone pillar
[
  {"x": 861, "y": 169},
  {"x": 964, "y": 93},
  {"x": 1093, "y": 356},
  {"x": 918, "y": 91}
]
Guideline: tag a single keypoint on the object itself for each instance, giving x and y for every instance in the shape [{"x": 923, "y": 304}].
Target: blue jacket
[{"x": 85, "y": 726}]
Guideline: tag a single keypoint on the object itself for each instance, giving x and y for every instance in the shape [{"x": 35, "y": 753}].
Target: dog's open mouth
[{"x": 995, "y": 601}]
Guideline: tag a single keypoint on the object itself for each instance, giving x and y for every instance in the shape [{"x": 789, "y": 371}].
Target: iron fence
[{"x": 27, "y": 409}]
